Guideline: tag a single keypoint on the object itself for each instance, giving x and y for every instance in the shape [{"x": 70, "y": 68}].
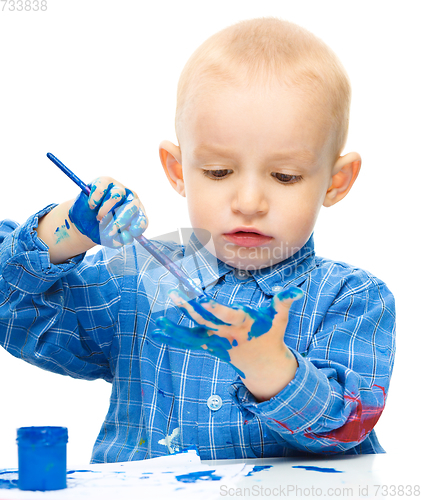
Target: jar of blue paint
[{"x": 42, "y": 458}]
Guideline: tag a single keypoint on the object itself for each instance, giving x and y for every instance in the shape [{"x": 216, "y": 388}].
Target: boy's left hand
[{"x": 252, "y": 341}]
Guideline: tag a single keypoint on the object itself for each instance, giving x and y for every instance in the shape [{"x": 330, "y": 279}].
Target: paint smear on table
[
  {"x": 8, "y": 484},
  {"x": 192, "y": 477},
  {"x": 317, "y": 469},
  {"x": 83, "y": 470},
  {"x": 258, "y": 468},
  {"x": 9, "y": 479}
]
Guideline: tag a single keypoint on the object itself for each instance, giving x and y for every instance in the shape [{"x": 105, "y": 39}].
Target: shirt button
[
  {"x": 242, "y": 274},
  {"x": 214, "y": 402},
  {"x": 277, "y": 289}
]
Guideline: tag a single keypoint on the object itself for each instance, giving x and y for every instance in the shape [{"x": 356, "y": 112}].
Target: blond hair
[{"x": 253, "y": 51}]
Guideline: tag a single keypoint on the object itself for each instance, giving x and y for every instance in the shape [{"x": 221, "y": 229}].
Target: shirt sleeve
[
  {"x": 341, "y": 383},
  {"x": 58, "y": 317}
]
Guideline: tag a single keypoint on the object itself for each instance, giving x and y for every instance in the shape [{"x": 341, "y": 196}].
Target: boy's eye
[
  {"x": 286, "y": 178},
  {"x": 216, "y": 174},
  {"x": 222, "y": 173}
]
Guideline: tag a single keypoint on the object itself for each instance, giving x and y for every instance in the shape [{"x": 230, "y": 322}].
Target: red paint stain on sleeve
[
  {"x": 360, "y": 423},
  {"x": 282, "y": 425}
]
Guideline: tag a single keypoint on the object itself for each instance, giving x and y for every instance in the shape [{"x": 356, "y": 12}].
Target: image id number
[
  {"x": 23, "y": 5},
  {"x": 399, "y": 491}
]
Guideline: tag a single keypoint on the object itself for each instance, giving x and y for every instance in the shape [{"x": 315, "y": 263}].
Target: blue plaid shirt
[{"x": 92, "y": 318}]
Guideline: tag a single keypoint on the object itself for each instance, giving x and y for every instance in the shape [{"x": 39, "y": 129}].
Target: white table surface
[{"x": 353, "y": 477}]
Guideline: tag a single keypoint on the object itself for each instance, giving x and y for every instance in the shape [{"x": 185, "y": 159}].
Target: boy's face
[{"x": 256, "y": 170}]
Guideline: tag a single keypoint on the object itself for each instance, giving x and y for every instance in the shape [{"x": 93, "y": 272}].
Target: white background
[{"x": 94, "y": 82}]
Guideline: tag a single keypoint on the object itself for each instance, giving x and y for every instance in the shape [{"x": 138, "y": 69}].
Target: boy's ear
[
  {"x": 345, "y": 172},
  {"x": 171, "y": 159}
]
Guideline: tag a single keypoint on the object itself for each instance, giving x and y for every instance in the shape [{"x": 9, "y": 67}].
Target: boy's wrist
[
  {"x": 61, "y": 236},
  {"x": 270, "y": 376},
  {"x": 25, "y": 263}
]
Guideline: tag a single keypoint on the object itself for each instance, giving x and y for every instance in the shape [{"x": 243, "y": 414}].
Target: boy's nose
[{"x": 250, "y": 199}]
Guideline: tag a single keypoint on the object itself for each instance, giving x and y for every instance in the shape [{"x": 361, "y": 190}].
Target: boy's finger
[
  {"x": 138, "y": 224},
  {"x": 164, "y": 338},
  {"x": 139, "y": 204},
  {"x": 194, "y": 310},
  {"x": 122, "y": 217},
  {"x": 99, "y": 189},
  {"x": 117, "y": 240},
  {"x": 284, "y": 299},
  {"x": 114, "y": 197},
  {"x": 195, "y": 338},
  {"x": 230, "y": 315}
]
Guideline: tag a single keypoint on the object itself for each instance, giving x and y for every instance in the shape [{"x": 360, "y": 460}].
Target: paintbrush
[{"x": 187, "y": 282}]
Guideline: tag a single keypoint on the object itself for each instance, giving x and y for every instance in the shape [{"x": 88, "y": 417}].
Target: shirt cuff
[
  {"x": 296, "y": 407},
  {"x": 25, "y": 261}
]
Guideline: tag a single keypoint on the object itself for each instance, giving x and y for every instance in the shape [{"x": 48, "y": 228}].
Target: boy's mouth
[{"x": 247, "y": 237}]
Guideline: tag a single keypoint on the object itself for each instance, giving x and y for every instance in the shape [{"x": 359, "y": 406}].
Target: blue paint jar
[{"x": 42, "y": 458}]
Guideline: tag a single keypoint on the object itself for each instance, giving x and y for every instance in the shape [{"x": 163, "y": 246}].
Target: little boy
[{"x": 289, "y": 354}]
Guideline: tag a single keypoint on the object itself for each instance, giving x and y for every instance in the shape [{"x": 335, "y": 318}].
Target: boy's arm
[
  {"x": 63, "y": 239},
  {"x": 339, "y": 388},
  {"x": 44, "y": 297},
  {"x": 341, "y": 384},
  {"x": 39, "y": 304}
]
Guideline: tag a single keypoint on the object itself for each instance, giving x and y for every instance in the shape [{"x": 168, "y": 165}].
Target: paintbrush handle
[
  {"x": 170, "y": 265},
  {"x": 69, "y": 173},
  {"x": 148, "y": 245}
]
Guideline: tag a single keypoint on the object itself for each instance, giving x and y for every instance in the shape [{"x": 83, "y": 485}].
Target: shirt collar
[
  {"x": 201, "y": 264},
  {"x": 290, "y": 272}
]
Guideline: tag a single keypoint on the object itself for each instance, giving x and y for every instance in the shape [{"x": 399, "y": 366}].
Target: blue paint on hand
[
  {"x": 197, "y": 307},
  {"x": 85, "y": 218},
  {"x": 203, "y": 337},
  {"x": 263, "y": 318},
  {"x": 192, "y": 338},
  {"x": 123, "y": 221}
]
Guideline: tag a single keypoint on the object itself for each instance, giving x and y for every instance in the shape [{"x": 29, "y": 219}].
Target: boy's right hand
[{"x": 111, "y": 215}]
